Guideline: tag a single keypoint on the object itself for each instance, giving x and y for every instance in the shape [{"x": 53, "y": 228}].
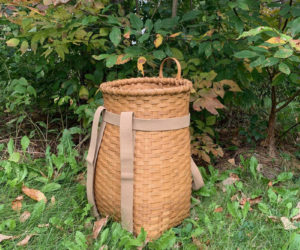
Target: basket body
[{"x": 162, "y": 176}]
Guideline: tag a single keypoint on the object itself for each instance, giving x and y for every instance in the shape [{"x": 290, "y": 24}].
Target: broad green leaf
[
  {"x": 80, "y": 240},
  {"x": 295, "y": 26},
  {"x": 111, "y": 61},
  {"x": 270, "y": 62},
  {"x": 210, "y": 120},
  {"x": 83, "y": 93},
  {"x": 115, "y": 36},
  {"x": 38, "y": 210},
  {"x": 283, "y": 53},
  {"x": 242, "y": 4},
  {"x": 272, "y": 196},
  {"x": 208, "y": 50},
  {"x": 148, "y": 25},
  {"x": 256, "y": 31},
  {"x": 104, "y": 31},
  {"x": 12, "y": 42},
  {"x": 284, "y": 177},
  {"x": 159, "y": 54},
  {"x": 284, "y": 68},
  {"x": 257, "y": 62},
  {"x": 294, "y": 58},
  {"x": 25, "y": 143},
  {"x": 15, "y": 157},
  {"x": 245, "y": 54},
  {"x": 190, "y": 15},
  {"x": 135, "y": 22},
  {"x": 177, "y": 54}
]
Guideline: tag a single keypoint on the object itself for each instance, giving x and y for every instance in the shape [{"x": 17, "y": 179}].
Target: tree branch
[
  {"x": 288, "y": 130},
  {"x": 288, "y": 101},
  {"x": 174, "y": 8},
  {"x": 286, "y": 20}
]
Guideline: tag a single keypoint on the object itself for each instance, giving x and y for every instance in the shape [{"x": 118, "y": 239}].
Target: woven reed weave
[{"x": 162, "y": 176}]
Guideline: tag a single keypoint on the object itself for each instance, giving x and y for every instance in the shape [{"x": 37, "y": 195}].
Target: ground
[{"x": 242, "y": 206}]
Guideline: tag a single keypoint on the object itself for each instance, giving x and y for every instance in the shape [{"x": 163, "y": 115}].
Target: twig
[
  {"x": 288, "y": 130},
  {"x": 287, "y": 19},
  {"x": 288, "y": 101}
]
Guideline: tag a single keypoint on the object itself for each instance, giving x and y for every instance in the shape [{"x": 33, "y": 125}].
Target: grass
[{"x": 69, "y": 223}]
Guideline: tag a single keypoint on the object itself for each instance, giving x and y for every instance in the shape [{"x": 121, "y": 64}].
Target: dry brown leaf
[
  {"x": 276, "y": 40},
  {"x": 218, "y": 88},
  {"x": 43, "y": 225},
  {"x": 175, "y": 34},
  {"x": 5, "y": 237},
  {"x": 273, "y": 218},
  {"x": 204, "y": 156},
  {"x": 251, "y": 201},
  {"x": 218, "y": 210},
  {"x": 34, "y": 194},
  {"x": 230, "y": 180},
  {"x": 16, "y": 204},
  {"x": 208, "y": 103},
  {"x": 287, "y": 224},
  {"x": 127, "y": 35},
  {"x": 234, "y": 197},
  {"x": 98, "y": 225},
  {"x": 120, "y": 59},
  {"x": 140, "y": 64},
  {"x": 270, "y": 184},
  {"x": 24, "y": 216},
  {"x": 232, "y": 161},
  {"x": 25, "y": 240},
  {"x": 232, "y": 85},
  {"x": 209, "y": 33},
  {"x": 297, "y": 217},
  {"x": 295, "y": 44},
  {"x": 158, "y": 40}
]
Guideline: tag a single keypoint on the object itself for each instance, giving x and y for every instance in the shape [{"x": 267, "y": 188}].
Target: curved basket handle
[{"x": 178, "y": 76}]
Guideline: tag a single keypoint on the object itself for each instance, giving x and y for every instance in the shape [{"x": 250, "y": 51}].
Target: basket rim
[{"x": 179, "y": 86}]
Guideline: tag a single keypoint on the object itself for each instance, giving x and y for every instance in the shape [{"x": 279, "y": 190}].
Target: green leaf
[
  {"x": 10, "y": 146},
  {"x": 295, "y": 26},
  {"x": 257, "y": 62},
  {"x": 111, "y": 61},
  {"x": 80, "y": 240},
  {"x": 270, "y": 62},
  {"x": 253, "y": 165},
  {"x": 24, "y": 47},
  {"x": 50, "y": 187},
  {"x": 12, "y": 42},
  {"x": 272, "y": 196},
  {"x": 210, "y": 120},
  {"x": 100, "y": 57},
  {"x": 177, "y": 54},
  {"x": 245, "y": 54},
  {"x": 190, "y": 15},
  {"x": 264, "y": 208},
  {"x": 242, "y": 4},
  {"x": 15, "y": 157},
  {"x": 283, "y": 177},
  {"x": 256, "y": 31},
  {"x": 135, "y": 22},
  {"x": 83, "y": 93},
  {"x": 25, "y": 143},
  {"x": 283, "y": 53},
  {"x": 284, "y": 68},
  {"x": 208, "y": 50},
  {"x": 159, "y": 54},
  {"x": 294, "y": 58},
  {"x": 115, "y": 36}
]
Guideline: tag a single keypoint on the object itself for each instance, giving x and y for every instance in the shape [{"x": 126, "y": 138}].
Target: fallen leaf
[
  {"x": 158, "y": 40},
  {"x": 209, "y": 33},
  {"x": 218, "y": 88},
  {"x": 273, "y": 218},
  {"x": 297, "y": 217},
  {"x": 5, "y": 237},
  {"x": 24, "y": 216},
  {"x": 218, "y": 210},
  {"x": 287, "y": 224},
  {"x": 16, "y": 204},
  {"x": 98, "y": 226},
  {"x": 251, "y": 201},
  {"x": 175, "y": 34},
  {"x": 211, "y": 104},
  {"x": 43, "y": 225},
  {"x": 52, "y": 200},
  {"x": 25, "y": 240},
  {"x": 230, "y": 180},
  {"x": 234, "y": 197},
  {"x": 34, "y": 194},
  {"x": 231, "y": 161},
  {"x": 270, "y": 184},
  {"x": 141, "y": 61}
]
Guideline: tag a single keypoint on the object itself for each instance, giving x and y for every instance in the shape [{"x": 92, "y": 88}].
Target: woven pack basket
[{"x": 139, "y": 165}]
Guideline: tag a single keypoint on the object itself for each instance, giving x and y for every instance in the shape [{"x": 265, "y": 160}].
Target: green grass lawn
[{"x": 67, "y": 223}]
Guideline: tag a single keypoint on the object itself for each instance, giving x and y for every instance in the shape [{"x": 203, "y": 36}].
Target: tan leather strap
[
  {"x": 151, "y": 124},
  {"x": 96, "y": 138},
  {"x": 127, "y": 167},
  {"x": 197, "y": 177},
  {"x": 128, "y": 124}
]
